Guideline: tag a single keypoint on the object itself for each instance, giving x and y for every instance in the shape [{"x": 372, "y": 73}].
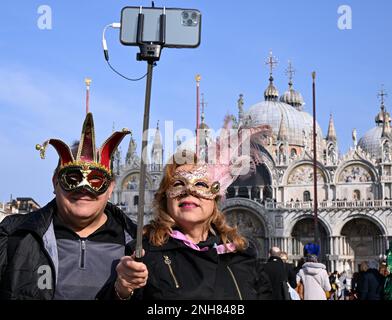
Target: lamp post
[{"x": 316, "y": 235}]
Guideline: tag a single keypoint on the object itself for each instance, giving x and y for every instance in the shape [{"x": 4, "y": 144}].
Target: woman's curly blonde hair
[{"x": 160, "y": 227}]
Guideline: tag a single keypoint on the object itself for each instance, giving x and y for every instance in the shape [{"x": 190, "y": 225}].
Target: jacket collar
[
  {"x": 174, "y": 244},
  {"x": 39, "y": 221},
  {"x": 275, "y": 259}
]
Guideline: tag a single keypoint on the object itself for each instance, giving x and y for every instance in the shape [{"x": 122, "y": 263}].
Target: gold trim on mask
[
  {"x": 71, "y": 183},
  {"x": 84, "y": 165},
  {"x": 194, "y": 182}
]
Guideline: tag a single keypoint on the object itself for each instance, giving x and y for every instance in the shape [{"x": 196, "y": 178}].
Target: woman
[
  {"x": 190, "y": 250},
  {"x": 313, "y": 279}
]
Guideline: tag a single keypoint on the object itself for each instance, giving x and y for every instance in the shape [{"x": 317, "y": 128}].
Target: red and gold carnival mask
[
  {"x": 94, "y": 179},
  {"x": 194, "y": 182},
  {"x": 90, "y": 170}
]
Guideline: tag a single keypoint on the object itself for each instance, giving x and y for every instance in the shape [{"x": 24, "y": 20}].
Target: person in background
[
  {"x": 280, "y": 275},
  {"x": 291, "y": 275},
  {"x": 314, "y": 279},
  {"x": 371, "y": 285}
]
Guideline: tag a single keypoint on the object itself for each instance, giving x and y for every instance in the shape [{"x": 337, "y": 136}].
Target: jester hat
[{"x": 90, "y": 169}]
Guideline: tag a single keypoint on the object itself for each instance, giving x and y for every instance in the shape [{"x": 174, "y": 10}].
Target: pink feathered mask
[{"x": 230, "y": 156}]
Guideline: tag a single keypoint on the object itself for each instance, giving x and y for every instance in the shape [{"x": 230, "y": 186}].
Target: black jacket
[
  {"x": 279, "y": 274},
  {"x": 371, "y": 285},
  {"x": 24, "y": 258},
  {"x": 179, "y": 272}
]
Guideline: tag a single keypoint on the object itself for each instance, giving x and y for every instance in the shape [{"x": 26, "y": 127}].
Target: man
[
  {"x": 279, "y": 274},
  {"x": 69, "y": 248}
]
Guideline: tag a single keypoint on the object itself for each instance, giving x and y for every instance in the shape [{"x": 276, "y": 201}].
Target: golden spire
[
  {"x": 292, "y": 97},
  {"x": 331, "y": 135},
  {"x": 381, "y": 95},
  {"x": 272, "y": 62},
  {"x": 290, "y": 71},
  {"x": 271, "y": 93},
  {"x": 87, "y": 81},
  {"x": 382, "y": 115}
]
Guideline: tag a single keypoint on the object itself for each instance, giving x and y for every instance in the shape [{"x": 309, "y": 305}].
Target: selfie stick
[{"x": 149, "y": 52}]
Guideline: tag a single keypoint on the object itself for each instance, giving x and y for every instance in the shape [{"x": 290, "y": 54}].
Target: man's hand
[{"x": 131, "y": 275}]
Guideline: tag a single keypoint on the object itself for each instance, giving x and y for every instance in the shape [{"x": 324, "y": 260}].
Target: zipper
[
  {"x": 235, "y": 282},
  {"x": 82, "y": 253},
  {"x": 168, "y": 263}
]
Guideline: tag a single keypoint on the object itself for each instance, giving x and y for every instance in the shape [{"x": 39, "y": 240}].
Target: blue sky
[{"x": 42, "y": 93}]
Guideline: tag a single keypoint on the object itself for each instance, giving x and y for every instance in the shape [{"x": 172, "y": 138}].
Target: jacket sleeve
[
  {"x": 364, "y": 287},
  {"x": 326, "y": 283}
]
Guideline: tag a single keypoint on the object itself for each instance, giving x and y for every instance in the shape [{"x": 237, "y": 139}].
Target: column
[
  {"x": 289, "y": 246},
  {"x": 333, "y": 265},
  {"x": 249, "y": 192},
  {"x": 285, "y": 244},
  {"x": 261, "y": 192},
  {"x": 331, "y": 250},
  {"x": 236, "y": 191},
  {"x": 340, "y": 245}
]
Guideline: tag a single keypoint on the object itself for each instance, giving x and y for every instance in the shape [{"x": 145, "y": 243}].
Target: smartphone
[{"x": 182, "y": 29}]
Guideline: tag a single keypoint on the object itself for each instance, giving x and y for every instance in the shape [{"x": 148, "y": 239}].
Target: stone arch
[
  {"x": 130, "y": 181},
  {"x": 358, "y": 174},
  {"x": 302, "y": 232},
  {"x": 308, "y": 166},
  {"x": 371, "y": 219},
  {"x": 261, "y": 176},
  {"x": 354, "y": 169},
  {"x": 363, "y": 239},
  {"x": 246, "y": 215}
]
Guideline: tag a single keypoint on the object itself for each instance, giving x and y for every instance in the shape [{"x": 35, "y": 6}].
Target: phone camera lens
[
  {"x": 194, "y": 15},
  {"x": 190, "y": 22},
  {"x": 185, "y": 15}
]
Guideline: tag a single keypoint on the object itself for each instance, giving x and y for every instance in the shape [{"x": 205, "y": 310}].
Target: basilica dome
[
  {"x": 299, "y": 124},
  {"x": 293, "y": 98},
  {"x": 371, "y": 141}
]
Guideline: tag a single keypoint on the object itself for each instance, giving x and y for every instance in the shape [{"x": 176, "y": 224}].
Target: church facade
[{"x": 273, "y": 204}]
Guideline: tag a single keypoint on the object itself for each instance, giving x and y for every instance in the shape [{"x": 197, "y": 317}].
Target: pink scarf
[{"x": 220, "y": 249}]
